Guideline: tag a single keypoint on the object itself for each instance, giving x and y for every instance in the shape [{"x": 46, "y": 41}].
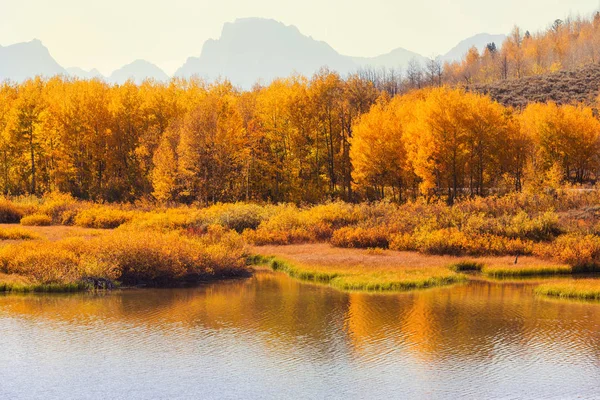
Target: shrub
[
  {"x": 540, "y": 228},
  {"x": 165, "y": 220},
  {"x": 9, "y": 212},
  {"x": 102, "y": 217},
  {"x": 237, "y": 216},
  {"x": 452, "y": 241},
  {"x": 284, "y": 226},
  {"x": 61, "y": 207},
  {"x": 17, "y": 234},
  {"x": 42, "y": 261},
  {"x": 36, "y": 220},
  {"x": 356, "y": 237},
  {"x": 580, "y": 251},
  {"x": 129, "y": 256},
  {"x": 288, "y": 224}
]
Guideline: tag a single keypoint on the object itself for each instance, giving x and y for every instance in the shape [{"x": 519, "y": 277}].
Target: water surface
[{"x": 271, "y": 337}]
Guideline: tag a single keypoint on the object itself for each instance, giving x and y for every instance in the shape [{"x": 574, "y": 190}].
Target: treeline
[
  {"x": 295, "y": 140},
  {"x": 449, "y": 143},
  {"x": 565, "y": 44},
  {"x": 182, "y": 141}
]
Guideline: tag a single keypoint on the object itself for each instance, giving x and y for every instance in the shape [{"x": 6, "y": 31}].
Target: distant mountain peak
[
  {"x": 249, "y": 50},
  {"x": 257, "y": 49},
  {"x": 480, "y": 40},
  {"x": 138, "y": 70},
  {"x": 25, "y": 60}
]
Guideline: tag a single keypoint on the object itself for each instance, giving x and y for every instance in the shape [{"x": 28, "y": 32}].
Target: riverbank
[
  {"x": 72, "y": 244},
  {"x": 67, "y": 259},
  {"x": 584, "y": 289},
  {"x": 386, "y": 270}
]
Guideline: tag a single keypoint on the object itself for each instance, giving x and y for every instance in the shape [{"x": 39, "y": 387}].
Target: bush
[
  {"x": 17, "y": 234},
  {"x": 42, "y": 261},
  {"x": 9, "y": 212},
  {"x": 541, "y": 228},
  {"x": 36, "y": 220},
  {"x": 582, "y": 252},
  {"x": 129, "y": 256},
  {"x": 356, "y": 237},
  {"x": 61, "y": 207},
  {"x": 452, "y": 241},
  {"x": 237, "y": 216},
  {"x": 288, "y": 224},
  {"x": 284, "y": 226},
  {"x": 102, "y": 217}
]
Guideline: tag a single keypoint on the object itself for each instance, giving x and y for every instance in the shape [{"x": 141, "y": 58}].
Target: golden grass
[
  {"x": 362, "y": 270},
  {"x": 379, "y": 270},
  {"x": 527, "y": 270},
  {"x": 584, "y": 289}
]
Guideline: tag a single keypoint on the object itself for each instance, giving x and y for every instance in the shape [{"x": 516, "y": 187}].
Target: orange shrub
[
  {"x": 36, "y": 220},
  {"x": 102, "y": 217},
  {"x": 581, "y": 252},
  {"x": 455, "y": 242},
  {"x": 9, "y": 212},
  {"x": 356, "y": 237}
]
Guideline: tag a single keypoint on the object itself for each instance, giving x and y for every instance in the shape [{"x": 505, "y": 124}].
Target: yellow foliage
[
  {"x": 36, "y": 220},
  {"x": 102, "y": 217}
]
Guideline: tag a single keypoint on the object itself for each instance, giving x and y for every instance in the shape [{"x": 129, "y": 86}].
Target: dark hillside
[{"x": 564, "y": 87}]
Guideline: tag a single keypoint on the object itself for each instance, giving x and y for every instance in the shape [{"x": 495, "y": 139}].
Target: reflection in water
[{"x": 272, "y": 337}]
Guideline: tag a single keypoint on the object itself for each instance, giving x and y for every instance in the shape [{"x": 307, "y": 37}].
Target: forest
[
  {"x": 372, "y": 135},
  {"x": 296, "y": 140}
]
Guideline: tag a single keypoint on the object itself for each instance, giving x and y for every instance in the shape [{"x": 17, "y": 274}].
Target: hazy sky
[{"x": 106, "y": 34}]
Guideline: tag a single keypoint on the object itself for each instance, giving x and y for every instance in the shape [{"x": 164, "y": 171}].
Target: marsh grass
[
  {"x": 527, "y": 270},
  {"x": 361, "y": 270},
  {"x": 468, "y": 265},
  {"x": 584, "y": 289},
  {"x": 44, "y": 288}
]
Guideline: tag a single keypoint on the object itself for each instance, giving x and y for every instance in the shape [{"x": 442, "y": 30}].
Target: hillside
[{"x": 563, "y": 87}]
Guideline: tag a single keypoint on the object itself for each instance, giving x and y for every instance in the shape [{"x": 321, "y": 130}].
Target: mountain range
[{"x": 249, "y": 50}]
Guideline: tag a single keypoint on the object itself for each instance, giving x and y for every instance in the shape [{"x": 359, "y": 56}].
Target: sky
[{"x": 107, "y": 34}]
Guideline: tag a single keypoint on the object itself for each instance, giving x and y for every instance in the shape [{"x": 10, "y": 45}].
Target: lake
[{"x": 272, "y": 337}]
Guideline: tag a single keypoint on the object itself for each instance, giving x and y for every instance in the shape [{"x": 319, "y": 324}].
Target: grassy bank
[
  {"x": 387, "y": 270},
  {"x": 360, "y": 270},
  {"x": 584, "y": 289}
]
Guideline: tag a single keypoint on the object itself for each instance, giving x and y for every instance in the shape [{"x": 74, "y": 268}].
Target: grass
[
  {"x": 584, "y": 289},
  {"x": 14, "y": 283},
  {"x": 360, "y": 270},
  {"x": 505, "y": 271},
  {"x": 467, "y": 265}
]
